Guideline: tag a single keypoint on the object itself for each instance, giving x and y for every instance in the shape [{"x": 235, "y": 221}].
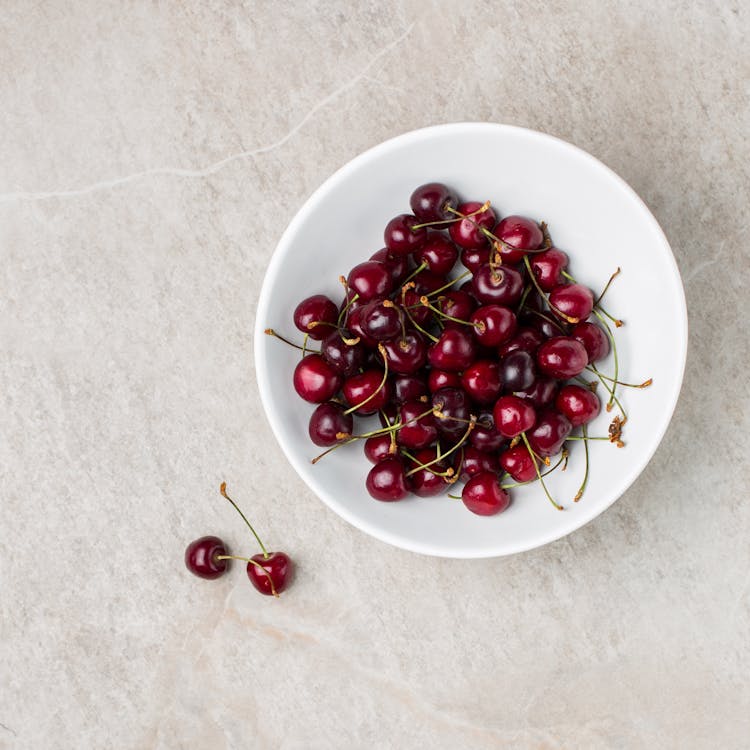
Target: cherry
[
  {"x": 578, "y": 404},
  {"x": 526, "y": 339},
  {"x": 429, "y": 202},
  {"x": 319, "y": 310},
  {"x": 573, "y": 300},
  {"x": 454, "y": 350},
  {"x": 426, "y": 482},
  {"x": 545, "y": 326},
  {"x": 521, "y": 234},
  {"x": 593, "y": 338},
  {"x": 397, "y": 265},
  {"x": 493, "y": 324},
  {"x": 400, "y": 236},
  {"x": 500, "y": 286},
  {"x": 367, "y": 385},
  {"x": 437, "y": 379},
  {"x": 409, "y": 387},
  {"x": 467, "y": 233},
  {"x": 475, "y": 257},
  {"x": 386, "y": 480},
  {"x": 201, "y": 554},
  {"x": 513, "y": 416},
  {"x": 355, "y": 321},
  {"x": 329, "y": 424},
  {"x": 378, "y": 447},
  {"x": 344, "y": 357},
  {"x": 548, "y": 266},
  {"x": 483, "y": 381},
  {"x": 483, "y": 495},
  {"x": 370, "y": 279},
  {"x": 438, "y": 253},
  {"x": 270, "y": 573},
  {"x": 518, "y": 371},
  {"x": 518, "y": 462},
  {"x": 452, "y": 405},
  {"x": 315, "y": 380},
  {"x": 381, "y": 319},
  {"x": 476, "y": 461},
  {"x": 406, "y": 354},
  {"x": 542, "y": 393},
  {"x": 457, "y": 304},
  {"x": 562, "y": 357},
  {"x": 549, "y": 433},
  {"x": 418, "y": 429},
  {"x": 484, "y": 436}
]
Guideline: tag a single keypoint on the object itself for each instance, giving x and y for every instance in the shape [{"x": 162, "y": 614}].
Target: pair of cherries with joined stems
[{"x": 208, "y": 557}]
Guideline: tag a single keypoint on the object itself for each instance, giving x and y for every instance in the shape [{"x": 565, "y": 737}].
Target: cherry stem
[
  {"x": 271, "y": 332},
  {"x": 421, "y": 267},
  {"x": 539, "y": 474},
  {"x": 348, "y": 304},
  {"x": 411, "y": 318},
  {"x": 463, "y": 439},
  {"x": 449, "y": 284},
  {"x": 587, "y": 438},
  {"x": 254, "y": 562},
  {"x": 525, "y": 294},
  {"x": 548, "y": 319},
  {"x": 449, "y": 472},
  {"x": 563, "y": 457},
  {"x": 644, "y": 384},
  {"x": 223, "y": 490},
  {"x": 543, "y": 295},
  {"x": 579, "y": 494},
  {"x": 618, "y": 323},
  {"x": 606, "y": 287},
  {"x": 614, "y": 354},
  {"x": 426, "y": 303},
  {"x": 304, "y": 344},
  {"x": 381, "y": 349}
]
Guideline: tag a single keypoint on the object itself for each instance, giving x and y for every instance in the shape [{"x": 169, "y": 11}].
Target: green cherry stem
[
  {"x": 539, "y": 474},
  {"x": 271, "y": 332},
  {"x": 579, "y": 494},
  {"x": 418, "y": 269},
  {"x": 614, "y": 354},
  {"x": 458, "y": 278},
  {"x": 606, "y": 286},
  {"x": 644, "y": 384},
  {"x": 463, "y": 439},
  {"x": 346, "y": 307},
  {"x": 539, "y": 289},
  {"x": 254, "y": 562},
  {"x": 381, "y": 349},
  {"x": 223, "y": 490},
  {"x": 618, "y": 323},
  {"x": 563, "y": 457}
]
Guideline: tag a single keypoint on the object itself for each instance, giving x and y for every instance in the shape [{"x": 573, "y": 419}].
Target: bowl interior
[{"x": 592, "y": 215}]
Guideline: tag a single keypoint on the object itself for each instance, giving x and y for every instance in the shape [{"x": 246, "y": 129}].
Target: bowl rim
[{"x": 276, "y": 263}]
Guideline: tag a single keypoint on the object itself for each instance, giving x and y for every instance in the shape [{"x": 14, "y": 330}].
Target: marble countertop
[{"x": 151, "y": 156}]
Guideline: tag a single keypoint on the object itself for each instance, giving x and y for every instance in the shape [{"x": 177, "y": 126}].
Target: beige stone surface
[{"x": 150, "y": 156}]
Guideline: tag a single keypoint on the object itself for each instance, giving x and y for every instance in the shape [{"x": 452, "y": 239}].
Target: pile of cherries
[{"x": 468, "y": 374}]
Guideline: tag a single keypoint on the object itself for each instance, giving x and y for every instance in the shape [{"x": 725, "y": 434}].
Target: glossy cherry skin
[
  {"x": 409, "y": 387},
  {"x": 406, "y": 354},
  {"x": 344, "y": 358},
  {"x": 455, "y": 350},
  {"x": 513, "y": 416},
  {"x": 430, "y": 202},
  {"x": 562, "y": 357},
  {"x": 518, "y": 371},
  {"x": 438, "y": 252},
  {"x": 454, "y": 405},
  {"x": 475, "y": 257},
  {"x": 483, "y": 495},
  {"x": 359, "y": 387},
  {"x": 398, "y": 265},
  {"x": 424, "y": 483},
  {"x": 517, "y": 461},
  {"x": 549, "y": 433},
  {"x": 381, "y": 319},
  {"x": 525, "y": 339},
  {"x": 476, "y": 461},
  {"x": 386, "y": 480},
  {"x": 498, "y": 286},
  {"x": 315, "y": 380},
  {"x": 457, "y": 304},
  {"x": 518, "y": 235},
  {"x": 574, "y": 300},
  {"x": 200, "y": 557},
  {"x": 542, "y": 392},
  {"x": 548, "y": 266},
  {"x": 483, "y": 381},
  {"x": 484, "y": 436},
  {"x": 437, "y": 379},
  {"x": 493, "y": 324},
  {"x": 593, "y": 338},
  {"x": 378, "y": 447},
  {"x": 277, "y": 569},
  {"x": 316, "y": 309},
  {"x": 370, "y": 279},
  {"x": 400, "y": 237},
  {"x": 327, "y": 422},
  {"x": 467, "y": 233},
  {"x": 417, "y": 431},
  {"x": 578, "y": 404},
  {"x": 355, "y": 322}
]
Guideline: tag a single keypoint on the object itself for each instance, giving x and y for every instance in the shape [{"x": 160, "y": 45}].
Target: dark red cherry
[
  {"x": 273, "y": 575},
  {"x": 475, "y": 257},
  {"x": 200, "y": 557},
  {"x": 549, "y": 433},
  {"x": 381, "y": 319},
  {"x": 454, "y": 406},
  {"x": 562, "y": 357},
  {"x": 517, "y": 461},
  {"x": 484, "y": 436},
  {"x": 315, "y": 380},
  {"x": 378, "y": 447},
  {"x": 467, "y": 233},
  {"x": 398, "y": 265},
  {"x": 542, "y": 392},
  {"x": 343, "y": 357},
  {"x": 476, "y": 461},
  {"x": 493, "y": 324},
  {"x": 574, "y": 300},
  {"x": 517, "y": 370},
  {"x": 513, "y": 416},
  {"x": 329, "y": 424},
  {"x": 423, "y": 482},
  {"x": 362, "y": 386},
  {"x": 526, "y": 339},
  {"x": 355, "y": 322},
  {"x": 483, "y": 495},
  {"x": 416, "y": 431},
  {"x": 319, "y": 310},
  {"x": 430, "y": 202},
  {"x": 548, "y": 267},
  {"x": 438, "y": 252},
  {"x": 593, "y": 338},
  {"x": 409, "y": 387},
  {"x": 370, "y": 279},
  {"x": 482, "y": 381},
  {"x": 518, "y": 234},
  {"x": 457, "y": 304},
  {"x": 578, "y": 404},
  {"x": 455, "y": 350},
  {"x": 498, "y": 286},
  {"x": 406, "y": 354},
  {"x": 387, "y": 480},
  {"x": 400, "y": 237},
  {"x": 437, "y": 379}
]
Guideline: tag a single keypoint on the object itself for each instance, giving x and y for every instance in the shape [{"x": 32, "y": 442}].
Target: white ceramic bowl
[{"x": 592, "y": 214}]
